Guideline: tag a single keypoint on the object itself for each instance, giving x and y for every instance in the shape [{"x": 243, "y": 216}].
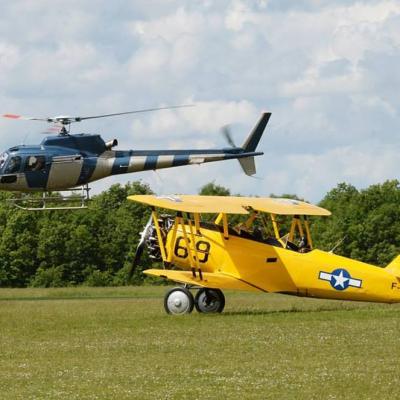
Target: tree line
[{"x": 96, "y": 246}]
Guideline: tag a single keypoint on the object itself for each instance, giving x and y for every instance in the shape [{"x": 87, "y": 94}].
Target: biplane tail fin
[
  {"x": 254, "y": 137},
  {"x": 394, "y": 266}
]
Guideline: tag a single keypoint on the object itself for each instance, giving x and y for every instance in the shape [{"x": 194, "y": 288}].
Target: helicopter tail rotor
[
  {"x": 226, "y": 132},
  {"x": 247, "y": 163}
]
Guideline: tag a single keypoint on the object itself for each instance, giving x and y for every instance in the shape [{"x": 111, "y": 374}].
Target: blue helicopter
[{"x": 67, "y": 161}]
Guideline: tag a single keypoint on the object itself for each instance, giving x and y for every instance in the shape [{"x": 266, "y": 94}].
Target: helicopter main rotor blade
[
  {"x": 16, "y": 116},
  {"x": 133, "y": 112},
  {"x": 66, "y": 119}
]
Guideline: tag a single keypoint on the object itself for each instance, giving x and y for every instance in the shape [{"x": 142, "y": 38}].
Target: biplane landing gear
[
  {"x": 178, "y": 301},
  {"x": 209, "y": 301}
]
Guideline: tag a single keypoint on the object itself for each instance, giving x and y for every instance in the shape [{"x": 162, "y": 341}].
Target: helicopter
[{"x": 69, "y": 162}]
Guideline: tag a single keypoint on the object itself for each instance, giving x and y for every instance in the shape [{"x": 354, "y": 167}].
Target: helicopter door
[
  {"x": 65, "y": 172},
  {"x": 36, "y": 171}
]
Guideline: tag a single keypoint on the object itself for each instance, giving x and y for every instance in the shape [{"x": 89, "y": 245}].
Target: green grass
[{"x": 117, "y": 343}]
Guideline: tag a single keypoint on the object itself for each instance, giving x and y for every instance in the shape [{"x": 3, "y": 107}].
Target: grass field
[{"x": 117, "y": 343}]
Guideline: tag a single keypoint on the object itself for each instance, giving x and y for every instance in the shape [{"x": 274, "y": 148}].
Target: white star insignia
[{"x": 340, "y": 279}]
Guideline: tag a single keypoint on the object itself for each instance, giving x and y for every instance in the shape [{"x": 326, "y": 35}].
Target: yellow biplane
[{"x": 245, "y": 243}]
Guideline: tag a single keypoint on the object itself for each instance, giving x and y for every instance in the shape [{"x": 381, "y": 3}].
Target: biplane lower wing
[{"x": 208, "y": 279}]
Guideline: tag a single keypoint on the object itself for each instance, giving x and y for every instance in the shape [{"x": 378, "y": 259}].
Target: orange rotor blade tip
[{"x": 13, "y": 116}]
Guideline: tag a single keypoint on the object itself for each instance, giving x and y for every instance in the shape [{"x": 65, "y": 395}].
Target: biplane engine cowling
[
  {"x": 111, "y": 143},
  {"x": 153, "y": 247}
]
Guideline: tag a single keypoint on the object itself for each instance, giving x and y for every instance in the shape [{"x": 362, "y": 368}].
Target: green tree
[
  {"x": 18, "y": 249},
  {"x": 118, "y": 228},
  {"x": 57, "y": 248},
  {"x": 212, "y": 189},
  {"x": 367, "y": 222},
  {"x": 96, "y": 246}
]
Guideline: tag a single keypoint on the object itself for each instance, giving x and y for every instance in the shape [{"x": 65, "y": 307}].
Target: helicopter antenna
[
  {"x": 66, "y": 120},
  {"x": 25, "y": 137}
]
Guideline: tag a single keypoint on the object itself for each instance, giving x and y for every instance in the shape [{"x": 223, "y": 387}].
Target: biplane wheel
[
  {"x": 209, "y": 301},
  {"x": 178, "y": 301}
]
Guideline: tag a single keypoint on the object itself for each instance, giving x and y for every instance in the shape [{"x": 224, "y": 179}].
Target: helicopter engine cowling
[{"x": 111, "y": 143}]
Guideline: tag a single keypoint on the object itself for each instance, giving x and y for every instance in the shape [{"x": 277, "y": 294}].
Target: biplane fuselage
[
  {"x": 264, "y": 267},
  {"x": 216, "y": 255}
]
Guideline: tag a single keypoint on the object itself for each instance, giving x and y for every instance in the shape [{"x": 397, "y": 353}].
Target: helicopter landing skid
[{"x": 77, "y": 199}]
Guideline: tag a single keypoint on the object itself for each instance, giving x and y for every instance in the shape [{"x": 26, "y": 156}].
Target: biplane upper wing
[
  {"x": 230, "y": 204},
  {"x": 207, "y": 279},
  {"x": 197, "y": 204},
  {"x": 282, "y": 206}
]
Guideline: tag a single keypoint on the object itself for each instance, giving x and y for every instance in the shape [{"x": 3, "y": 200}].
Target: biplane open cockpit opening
[{"x": 211, "y": 243}]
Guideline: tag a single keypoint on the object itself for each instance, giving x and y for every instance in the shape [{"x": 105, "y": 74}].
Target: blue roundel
[{"x": 340, "y": 279}]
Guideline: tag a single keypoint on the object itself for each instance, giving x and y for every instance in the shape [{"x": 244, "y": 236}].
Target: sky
[{"x": 328, "y": 71}]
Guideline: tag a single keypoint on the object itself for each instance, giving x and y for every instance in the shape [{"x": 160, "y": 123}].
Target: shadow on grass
[
  {"x": 49, "y": 298},
  {"x": 295, "y": 310}
]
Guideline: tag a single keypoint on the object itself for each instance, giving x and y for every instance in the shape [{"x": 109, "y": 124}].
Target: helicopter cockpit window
[
  {"x": 3, "y": 159},
  {"x": 13, "y": 165},
  {"x": 35, "y": 163}
]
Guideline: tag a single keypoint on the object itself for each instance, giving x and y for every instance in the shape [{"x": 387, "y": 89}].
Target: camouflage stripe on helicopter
[
  {"x": 125, "y": 162},
  {"x": 78, "y": 172}
]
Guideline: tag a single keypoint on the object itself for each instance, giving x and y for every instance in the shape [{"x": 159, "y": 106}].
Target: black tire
[
  {"x": 209, "y": 301},
  {"x": 178, "y": 301}
]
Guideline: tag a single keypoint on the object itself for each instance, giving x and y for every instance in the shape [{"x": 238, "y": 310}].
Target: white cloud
[
  {"x": 238, "y": 15},
  {"x": 9, "y": 57},
  {"x": 363, "y": 166},
  {"x": 203, "y": 121},
  {"x": 169, "y": 27}
]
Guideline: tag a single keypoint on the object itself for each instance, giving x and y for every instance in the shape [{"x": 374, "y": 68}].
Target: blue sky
[{"x": 327, "y": 70}]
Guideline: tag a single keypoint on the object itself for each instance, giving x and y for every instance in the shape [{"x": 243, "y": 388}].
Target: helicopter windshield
[
  {"x": 3, "y": 159},
  {"x": 13, "y": 165}
]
